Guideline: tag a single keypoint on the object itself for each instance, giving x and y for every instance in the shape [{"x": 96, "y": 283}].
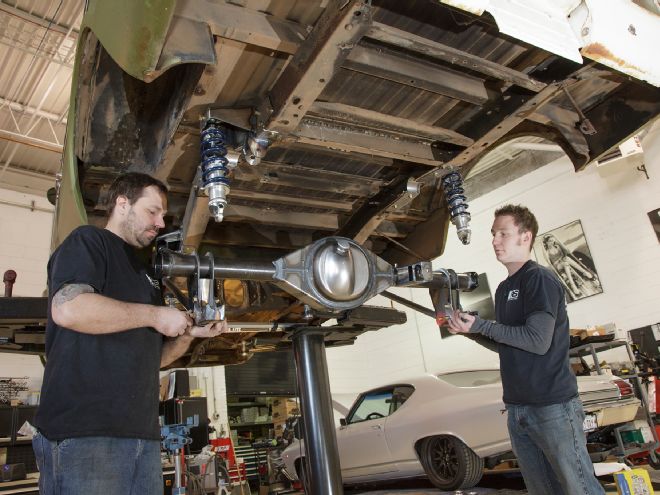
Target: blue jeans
[
  {"x": 98, "y": 465},
  {"x": 551, "y": 448}
]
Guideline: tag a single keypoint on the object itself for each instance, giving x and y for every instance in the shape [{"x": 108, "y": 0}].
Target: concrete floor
[{"x": 511, "y": 484}]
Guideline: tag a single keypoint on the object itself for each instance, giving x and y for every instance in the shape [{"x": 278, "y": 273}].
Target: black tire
[{"x": 449, "y": 463}]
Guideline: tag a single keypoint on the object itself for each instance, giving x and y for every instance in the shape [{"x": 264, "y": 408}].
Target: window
[
  {"x": 400, "y": 395},
  {"x": 471, "y": 378},
  {"x": 380, "y": 403}
]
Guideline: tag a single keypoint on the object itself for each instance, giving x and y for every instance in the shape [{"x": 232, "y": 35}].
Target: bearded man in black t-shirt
[
  {"x": 107, "y": 336},
  {"x": 545, "y": 415}
]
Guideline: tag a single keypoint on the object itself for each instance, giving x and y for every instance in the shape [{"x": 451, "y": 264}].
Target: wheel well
[
  {"x": 105, "y": 91},
  {"x": 299, "y": 465},
  {"x": 457, "y": 467},
  {"x": 418, "y": 443}
]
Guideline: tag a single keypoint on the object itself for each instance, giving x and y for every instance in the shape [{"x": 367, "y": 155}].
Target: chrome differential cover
[
  {"x": 341, "y": 271},
  {"x": 334, "y": 273}
]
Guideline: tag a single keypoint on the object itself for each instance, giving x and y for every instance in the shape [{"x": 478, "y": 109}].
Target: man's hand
[
  {"x": 171, "y": 322},
  {"x": 210, "y": 330},
  {"x": 460, "y": 322}
]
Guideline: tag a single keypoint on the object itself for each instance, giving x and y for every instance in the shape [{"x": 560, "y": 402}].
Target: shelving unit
[
  {"x": 269, "y": 423},
  {"x": 257, "y": 430},
  {"x": 18, "y": 448},
  {"x": 592, "y": 349},
  {"x": 237, "y": 425}
]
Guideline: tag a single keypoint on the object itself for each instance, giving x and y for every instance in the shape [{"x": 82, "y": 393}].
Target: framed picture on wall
[
  {"x": 654, "y": 216},
  {"x": 565, "y": 251}
]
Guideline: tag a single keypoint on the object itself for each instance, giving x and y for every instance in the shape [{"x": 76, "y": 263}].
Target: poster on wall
[
  {"x": 565, "y": 251},
  {"x": 654, "y": 216}
]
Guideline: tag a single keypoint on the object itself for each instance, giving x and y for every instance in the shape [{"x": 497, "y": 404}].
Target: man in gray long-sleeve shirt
[{"x": 545, "y": 414}]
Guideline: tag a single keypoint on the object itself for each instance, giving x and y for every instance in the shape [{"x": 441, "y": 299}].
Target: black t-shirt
[
  {"x": 529, "y": 378},
  {"x": 100, "y": 385}
]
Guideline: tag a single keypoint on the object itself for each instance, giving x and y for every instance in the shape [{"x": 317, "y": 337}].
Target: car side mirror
[{"x": 342, "y": 421}]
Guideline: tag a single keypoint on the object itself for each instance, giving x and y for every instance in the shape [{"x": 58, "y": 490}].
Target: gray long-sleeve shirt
[{"x": 534, "y": 336}]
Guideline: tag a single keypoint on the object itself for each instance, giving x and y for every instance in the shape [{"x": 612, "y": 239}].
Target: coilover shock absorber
[
  {"x": 452, "y": 184},
  {"x": 215, "y": 170}
]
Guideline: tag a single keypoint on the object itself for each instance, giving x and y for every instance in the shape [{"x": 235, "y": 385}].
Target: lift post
[{"x": 323, "y": 474}]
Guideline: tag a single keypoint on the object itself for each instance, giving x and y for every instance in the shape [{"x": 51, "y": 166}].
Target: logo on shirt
[
  {"x": 513, "y": 295},
  {"x": 154, "y": 283}
]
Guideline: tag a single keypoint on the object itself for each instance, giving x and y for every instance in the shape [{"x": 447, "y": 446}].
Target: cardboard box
[
  {"x": 249, "y": 414},
  {"x": 578, "y": 368},
  {"x": 597, "y": 331},
  {"x": 282, "y": 408},
  {"x": 633, "y": 482},
  {"x": 164, "y": 386}
]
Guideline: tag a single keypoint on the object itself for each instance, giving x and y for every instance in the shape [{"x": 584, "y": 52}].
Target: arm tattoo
[{"x": 70, "y": 292}]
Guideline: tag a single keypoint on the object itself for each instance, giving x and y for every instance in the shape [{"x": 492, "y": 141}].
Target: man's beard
[{"x": 137, "y": 234}]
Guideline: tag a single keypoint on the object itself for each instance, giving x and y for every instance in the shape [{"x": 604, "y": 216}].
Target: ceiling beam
[
  {"x": 339, "y": 29},
  {"x": 30, "y": 141},
  {"x": 20, "y": 108},
  {"x": 408, "y": 70},
  {"x": 50, "y": 25},
  {"x": 403, "y": 39},
  {"x": 37, "y": 53}
]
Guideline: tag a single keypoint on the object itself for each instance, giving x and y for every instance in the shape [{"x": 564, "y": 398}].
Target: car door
[{"x": 363, "y": 449}]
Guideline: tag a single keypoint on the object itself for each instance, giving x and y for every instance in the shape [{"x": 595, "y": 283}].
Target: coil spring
[
  {"x": 452, "y": 184},
  {"x": 213, "y": 154}
]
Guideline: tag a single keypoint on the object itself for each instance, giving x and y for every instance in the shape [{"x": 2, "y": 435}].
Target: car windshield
[{"x": 471, "y": 378}]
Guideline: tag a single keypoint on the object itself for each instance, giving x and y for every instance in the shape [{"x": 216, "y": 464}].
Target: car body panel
[
  {"x": 364, "y": 449},
  {"x": 436, "y": 404},
  {"x": 620, "y": 33},
  {"x": 133, "y": 33}
]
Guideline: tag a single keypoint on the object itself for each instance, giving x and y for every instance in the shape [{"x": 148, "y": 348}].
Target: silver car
[{"x": 446, "y": 427}]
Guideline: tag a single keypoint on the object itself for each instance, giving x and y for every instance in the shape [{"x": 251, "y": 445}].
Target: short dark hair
[
  {"x": 522, "y": 218},
  {"x": 131, "y": 185}
]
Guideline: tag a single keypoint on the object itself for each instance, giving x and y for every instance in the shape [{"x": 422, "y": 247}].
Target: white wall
[
  {"x": 211, "y": 381},
  {"x": 25, "y": 246},
  {"x": 624, "y": 247}
]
